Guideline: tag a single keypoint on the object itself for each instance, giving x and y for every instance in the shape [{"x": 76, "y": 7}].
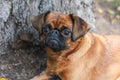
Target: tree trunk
[{"x": 15, "y": 19}]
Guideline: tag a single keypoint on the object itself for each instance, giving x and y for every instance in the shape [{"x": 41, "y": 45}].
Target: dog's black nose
[{"x": 54, "y": 32}]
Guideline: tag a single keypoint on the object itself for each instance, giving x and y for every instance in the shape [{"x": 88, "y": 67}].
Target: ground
[{"x": 107, "y": 17}]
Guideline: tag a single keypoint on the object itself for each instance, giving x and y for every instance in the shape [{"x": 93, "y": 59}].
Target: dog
[{"x": 74, "y": 53}]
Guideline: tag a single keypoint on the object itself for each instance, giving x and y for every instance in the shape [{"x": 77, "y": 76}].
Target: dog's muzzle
[
  {"x": 52, "y": 40},
  {"x": 53, "y": 43}
]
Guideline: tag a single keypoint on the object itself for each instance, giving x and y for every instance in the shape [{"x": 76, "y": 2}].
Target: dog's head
[{"x": 59, "y": 30}]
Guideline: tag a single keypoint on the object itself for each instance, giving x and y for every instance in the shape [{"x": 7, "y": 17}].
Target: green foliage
[{"x": 116, "y": 3}]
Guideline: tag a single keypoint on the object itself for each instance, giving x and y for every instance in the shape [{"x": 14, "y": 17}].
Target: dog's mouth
[{"x": 53, "y": 44}]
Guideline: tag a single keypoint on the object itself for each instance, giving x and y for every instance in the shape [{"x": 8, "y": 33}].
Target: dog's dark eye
[
  {"x": 46, "y": 29},
  {"x": 66, "y": 32}
]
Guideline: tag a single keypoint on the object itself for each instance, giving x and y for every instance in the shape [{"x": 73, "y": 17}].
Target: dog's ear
[
  {"x": 38, "y": 21},
  {"x": 79, "y": 27}
]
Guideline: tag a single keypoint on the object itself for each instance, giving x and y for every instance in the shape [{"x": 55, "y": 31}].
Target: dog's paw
[{"x": 54, "y": 78}]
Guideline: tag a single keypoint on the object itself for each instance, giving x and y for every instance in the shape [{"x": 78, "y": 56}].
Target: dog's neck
[{"x": 83, "y": 47}]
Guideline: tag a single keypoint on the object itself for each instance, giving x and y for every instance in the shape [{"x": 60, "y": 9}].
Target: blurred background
[{"x": 107, "y": 14}]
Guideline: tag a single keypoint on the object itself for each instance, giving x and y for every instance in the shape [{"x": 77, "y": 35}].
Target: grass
[{"x": 116, "y": 3}]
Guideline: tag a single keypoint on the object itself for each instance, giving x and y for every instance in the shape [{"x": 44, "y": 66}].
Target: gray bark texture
[{"x": 15, "y": 19}]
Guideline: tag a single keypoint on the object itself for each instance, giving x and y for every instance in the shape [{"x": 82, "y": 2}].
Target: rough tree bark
[{"x": 15, "y": 19}]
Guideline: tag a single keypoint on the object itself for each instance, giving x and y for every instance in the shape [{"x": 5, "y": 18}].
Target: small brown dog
[{"x": 74, "y": 54}]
